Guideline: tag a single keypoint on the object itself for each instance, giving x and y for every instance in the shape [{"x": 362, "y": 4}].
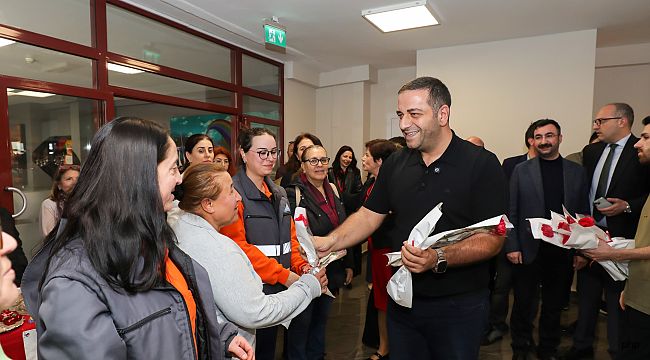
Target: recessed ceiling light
[
  {"x": 123, "y": 69},
  {"x": 401, "y": 16},
  {"x": 38, "y": 94},
  {"x": 5, "y": 42}
]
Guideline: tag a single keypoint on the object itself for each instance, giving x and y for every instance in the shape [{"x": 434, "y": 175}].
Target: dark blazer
[
  {"x": 510, "y": 163},
  {"x": 527, "y": 201},
  {"x": 320, "y": 225},
  {"x": 630, "y": 182}
]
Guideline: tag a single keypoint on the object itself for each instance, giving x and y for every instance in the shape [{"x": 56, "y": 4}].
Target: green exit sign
[{"x": 275, "y": 38}]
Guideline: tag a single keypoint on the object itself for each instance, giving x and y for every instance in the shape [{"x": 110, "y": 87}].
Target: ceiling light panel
[
  {"x": 123, "y": 69},
  {"x": 401, "y": 16}
]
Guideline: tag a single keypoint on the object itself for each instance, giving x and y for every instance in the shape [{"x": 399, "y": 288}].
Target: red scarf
[{"x": 328, "y": 206}]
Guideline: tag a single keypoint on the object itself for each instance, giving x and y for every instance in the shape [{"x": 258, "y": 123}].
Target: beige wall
[
  {"x": 383, "y": 101},
  {"x": 299, "y": 109},
  {"x": 499, "y": 87}
]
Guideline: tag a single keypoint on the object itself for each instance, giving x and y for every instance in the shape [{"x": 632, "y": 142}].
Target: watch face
[{"x": 442, "y": 267}]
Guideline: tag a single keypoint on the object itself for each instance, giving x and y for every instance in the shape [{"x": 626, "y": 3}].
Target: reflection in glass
[
  {"x": 260, "y": 75},
  {"x": 45, "y": 132},
  {"x": 261, "y": 108},
  {"x": 63, "y": 19},
  {"x": 164, "y": 85},
  {"x": 181, "y": 122},
  {"x": 32, "y": 62},
  {"x": 139, "y": 37}
]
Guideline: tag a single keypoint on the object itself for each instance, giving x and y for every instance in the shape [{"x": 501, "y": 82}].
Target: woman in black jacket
[{"x": 325, "y": 212}]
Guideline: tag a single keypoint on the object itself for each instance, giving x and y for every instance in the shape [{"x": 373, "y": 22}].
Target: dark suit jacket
[
  {"x": 510, "y": 163},
  {"x": 527, "y": 201},
  {"x": 630, "y": 182}
]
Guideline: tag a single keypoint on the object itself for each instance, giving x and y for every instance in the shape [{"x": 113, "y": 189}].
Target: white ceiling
[{"x": 331, "y": 34}]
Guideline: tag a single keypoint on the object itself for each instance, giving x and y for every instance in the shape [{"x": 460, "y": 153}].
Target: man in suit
[
  {"x": 617, "y": 175},
  {"x": 537, "y": 187},
  {"x": 500, "y": 287},
  {"x": 510, "y": 163}
]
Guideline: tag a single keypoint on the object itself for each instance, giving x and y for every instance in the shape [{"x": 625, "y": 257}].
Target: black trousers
[
  {"x": 635, "y": 335},
  {"x": 592, "y": 281},
  {"x": 265, "y": 340},
  {"x": 446, "y": 328},
  {"x": 499, "y": 296},
  {"x": 552, "y": 268}
]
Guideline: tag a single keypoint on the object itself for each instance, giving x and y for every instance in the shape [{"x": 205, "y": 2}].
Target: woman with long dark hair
[
  {"x": 264, "y": 228},
  {"x": 347, "y": 178},
  {"x": 198, "y": 148},
  {"x": 64, "y": 181},
  {"x": 110, "y": 282},
  {"x": 301, "y": 142}
]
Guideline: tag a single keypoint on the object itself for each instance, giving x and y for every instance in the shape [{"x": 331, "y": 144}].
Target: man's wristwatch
[
  {"x": 441, "y": 265},
  {"x": 628, "y": 209}
]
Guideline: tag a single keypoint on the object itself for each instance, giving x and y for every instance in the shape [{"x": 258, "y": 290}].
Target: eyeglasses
[
  {"x": 315, "y": 161},
  {"x": 549, "y": 136},
  {"x": 599, "y": 121},
  {"x": 264, "y": 153}
]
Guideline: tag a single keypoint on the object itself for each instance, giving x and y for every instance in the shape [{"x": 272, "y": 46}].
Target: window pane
[
  {"x": 260, "y": 75},
  {"x": 27, "y": 61},
  {"x": 63, "y": 19},
  {"x": 141, "y": 38},
  {"x": 154, "y": 83},
  {"x": 45, "y": 132},
  {"x": 181, "y": 122},
  {"x": 261, "y": 108}
]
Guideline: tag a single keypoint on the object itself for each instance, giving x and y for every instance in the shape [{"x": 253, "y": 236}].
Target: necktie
[{"x": 601, "y": 189}]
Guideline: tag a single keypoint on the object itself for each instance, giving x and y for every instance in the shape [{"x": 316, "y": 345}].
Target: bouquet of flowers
[
  {"x": 400, "y": 286},
  {"x": 580, "y": 232},
  {"x": 306, "y": 240}
]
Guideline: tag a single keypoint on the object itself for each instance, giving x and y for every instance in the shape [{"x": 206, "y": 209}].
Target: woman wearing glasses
[
  {"x": 65, "y": 179},
  {"x": 325, "y": 212},
  {"x": 264, "y": 227}
]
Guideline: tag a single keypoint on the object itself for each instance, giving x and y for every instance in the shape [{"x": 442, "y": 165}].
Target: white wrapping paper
[{"x": 400, "y": 286}]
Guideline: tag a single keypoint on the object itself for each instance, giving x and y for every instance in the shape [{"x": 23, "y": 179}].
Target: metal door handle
[{"x": 22, "y": 195}]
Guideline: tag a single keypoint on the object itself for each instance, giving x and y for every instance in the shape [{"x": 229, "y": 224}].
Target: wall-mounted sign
[{"x": 275, "y": 37}]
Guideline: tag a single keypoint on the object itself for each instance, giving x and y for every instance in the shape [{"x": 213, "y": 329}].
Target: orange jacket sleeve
[{"x": 268, "y": 269}]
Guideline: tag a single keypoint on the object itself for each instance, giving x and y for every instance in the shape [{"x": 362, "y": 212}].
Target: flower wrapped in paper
[
  {"x": 400, "y": 286},
  {"x": 580, "y": 232},
  {"x": 306, "y": 240}
]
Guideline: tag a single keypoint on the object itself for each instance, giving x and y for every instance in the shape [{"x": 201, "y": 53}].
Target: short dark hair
[
  {"x": 593, "y": 136},
  {"x": 336, "y": 164},
  {"x": 438, "y": 92},
  {"x": 646, "y": 120},
  {"x": 624, "y": 110},
  {"x": 543, "y": 122},
  {"x": 116, "y": 206},
  {"x": 398, "y": 140},
  {"x": 530, "y": 134},
  {"x": 245, "y": 139},
  {"x": 381, "y": 149}
]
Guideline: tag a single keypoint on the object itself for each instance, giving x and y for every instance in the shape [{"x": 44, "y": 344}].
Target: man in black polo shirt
[{"x": 450, "y": 285}]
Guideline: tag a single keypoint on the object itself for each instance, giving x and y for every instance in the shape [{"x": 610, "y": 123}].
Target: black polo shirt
[{"x": 470, "y": 183}]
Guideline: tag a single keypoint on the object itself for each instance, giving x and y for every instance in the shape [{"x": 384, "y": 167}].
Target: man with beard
[
  {"x": 635, "y": 335},
  {"x": 537, "y": 187},
  {"x": 618, "y": 177},
  {"x": 450, "y": 284}
]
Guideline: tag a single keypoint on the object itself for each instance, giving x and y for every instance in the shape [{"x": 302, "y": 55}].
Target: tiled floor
[{"x": 345, "y": 329}]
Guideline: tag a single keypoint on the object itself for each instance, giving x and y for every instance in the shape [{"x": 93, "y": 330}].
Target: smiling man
[
  {"x": 537, "y": 187},
  {"x": 450, "y": 285}
]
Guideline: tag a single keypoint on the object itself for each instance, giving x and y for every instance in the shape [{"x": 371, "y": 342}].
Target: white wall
[
  {"x": 499, "y": 87},
  {"x": 299, "y": 109},
  {"x": 623, "y": 75},
  {"x": 383, "y": 101}
]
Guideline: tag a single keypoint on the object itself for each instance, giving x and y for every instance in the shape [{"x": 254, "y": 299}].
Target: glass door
[{"x": 45, "y": 131}]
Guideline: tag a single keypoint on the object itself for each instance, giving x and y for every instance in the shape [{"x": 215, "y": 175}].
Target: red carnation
[
  {"x": 547, "y": 230},
  {"x": 570, "y": 220},
  {"x": 302, "y": 218},
  {"x": 587, "y": 221},
  {"x": 500, "y": 229}
]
